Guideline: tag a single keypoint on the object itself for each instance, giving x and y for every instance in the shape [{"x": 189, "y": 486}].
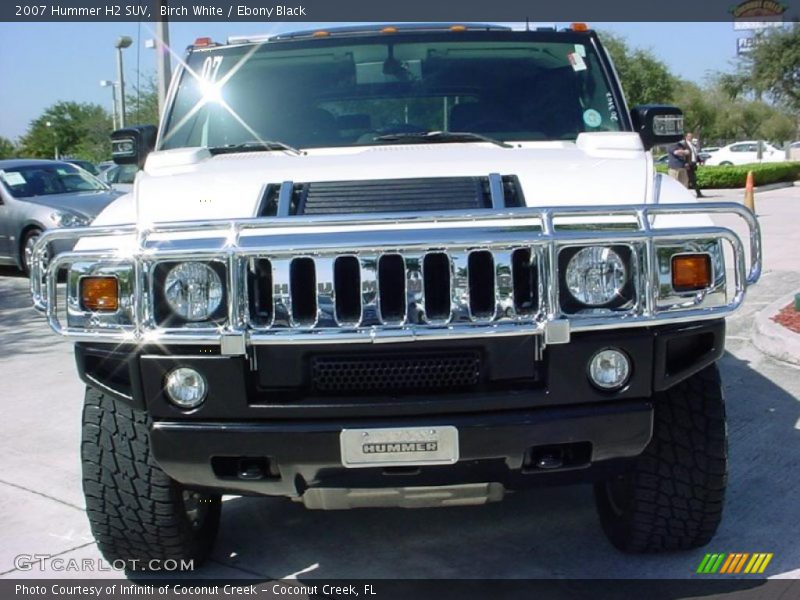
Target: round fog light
[
  {"x": 609, "y": 369},
  {"x": 186, "y": 388}
]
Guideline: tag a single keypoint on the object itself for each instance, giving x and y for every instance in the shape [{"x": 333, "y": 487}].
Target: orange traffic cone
[{"x": 749, "y": 196}]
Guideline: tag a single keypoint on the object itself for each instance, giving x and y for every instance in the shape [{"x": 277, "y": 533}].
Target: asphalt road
[{"x": 550, "y": 532}]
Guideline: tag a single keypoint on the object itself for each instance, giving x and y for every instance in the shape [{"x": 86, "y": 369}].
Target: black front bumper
[
  {"x": 247, "y": 438},
  {"x": 494, "y": 447}
]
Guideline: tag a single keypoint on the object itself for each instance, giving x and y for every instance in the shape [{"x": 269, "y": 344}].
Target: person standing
[
  {"x": 692, "y": 162},
  {"x": 676, "y": 163}
]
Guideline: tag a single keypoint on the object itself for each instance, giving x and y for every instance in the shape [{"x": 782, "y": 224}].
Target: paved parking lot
[{"x": 551, "y": 532}]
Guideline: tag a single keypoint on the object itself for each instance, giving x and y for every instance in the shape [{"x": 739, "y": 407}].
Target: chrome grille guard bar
[{"x": 353, "y": 235}]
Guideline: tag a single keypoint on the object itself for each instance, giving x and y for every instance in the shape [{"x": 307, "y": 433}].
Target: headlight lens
[
  {"x": 65, "y": 219},
  {"x": 596, "y": 275},
  {"x": 193, "y": 291}
]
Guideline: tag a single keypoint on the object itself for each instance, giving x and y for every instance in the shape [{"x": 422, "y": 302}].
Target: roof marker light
[
  {"x": 320, "y": 34},
  {"x": 458, "y": 28},
  {"x": 203, "y": 41},
  {"x": 579, "y": 27},
  {"x": 389, "y": 30}
]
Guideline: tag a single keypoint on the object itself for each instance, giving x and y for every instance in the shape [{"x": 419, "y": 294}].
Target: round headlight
[
  {"x": 185, "y": 387},
  {"x": 595, "y": 275},
  {"x": 609, "y": 369},
  {"x": 193, "y": 291}
]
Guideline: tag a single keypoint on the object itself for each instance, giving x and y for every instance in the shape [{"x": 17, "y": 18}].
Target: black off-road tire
[
  {"x": 672, "y": 497},
  {"x": 137, "y": 513}
]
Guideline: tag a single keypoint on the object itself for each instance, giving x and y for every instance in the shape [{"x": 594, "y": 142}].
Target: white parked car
[{"x": 744, "y": 153}]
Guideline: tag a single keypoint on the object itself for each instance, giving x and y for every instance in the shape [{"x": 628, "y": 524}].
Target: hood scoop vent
[{"x": 392, "y": 195}]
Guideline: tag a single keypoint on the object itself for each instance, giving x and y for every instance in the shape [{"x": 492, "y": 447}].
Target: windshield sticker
[
  {"x": 577, "y": 62},
  {"x": 592, "y": 118},
  {"x": 580, "y": 49},
  {"x": 612, "y": 107},
  {"x": 13, "y": 178}
]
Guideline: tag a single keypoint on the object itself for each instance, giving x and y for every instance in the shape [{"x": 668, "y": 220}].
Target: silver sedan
[{"x": 36, "y": 195}]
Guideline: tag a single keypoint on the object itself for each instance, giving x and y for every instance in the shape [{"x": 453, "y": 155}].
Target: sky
[{"x": 43, "y": 63}]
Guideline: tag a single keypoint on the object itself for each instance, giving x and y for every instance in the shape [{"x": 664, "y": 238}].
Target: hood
[
  {"x": 598, "y": 168},
  {"x": 88, "y": 204}
]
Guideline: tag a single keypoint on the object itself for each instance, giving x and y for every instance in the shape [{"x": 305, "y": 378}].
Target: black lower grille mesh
[{"x": 396, "y": 373}]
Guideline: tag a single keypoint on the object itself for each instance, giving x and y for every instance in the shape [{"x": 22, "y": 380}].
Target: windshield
[
  {"x": 331, "y": 93},
  {"x": 44, "y": 180}
]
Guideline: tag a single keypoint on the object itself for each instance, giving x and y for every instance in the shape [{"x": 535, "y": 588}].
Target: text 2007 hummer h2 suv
[{"x": 399, "y": 266}]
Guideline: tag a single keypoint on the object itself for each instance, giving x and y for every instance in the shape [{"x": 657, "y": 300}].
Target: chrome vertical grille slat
[
  {"x": 369, "y": 289},
  {"x": 415, "y": 298},
  {"x": 460, "y": 286},
  {"x": 326, "y": 295},
  {"x": 281, "y": 296},
  {"x": 503, "y": 284}
]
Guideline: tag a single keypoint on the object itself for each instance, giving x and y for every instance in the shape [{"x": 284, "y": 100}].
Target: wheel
[
  {"x": 136, "y": 512},
  {"x": 28, "y": 242},
  {"x": 672, "y": 497}
]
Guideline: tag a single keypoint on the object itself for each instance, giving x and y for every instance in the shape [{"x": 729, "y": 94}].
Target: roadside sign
[
  {"x": 756, "y": 25},
  {"x": 745, "y": 45}
]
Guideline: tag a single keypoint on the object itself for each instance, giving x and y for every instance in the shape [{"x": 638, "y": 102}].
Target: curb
[
  {"x": 776, "y": 340},
  {"x": 760, "y": 188}
]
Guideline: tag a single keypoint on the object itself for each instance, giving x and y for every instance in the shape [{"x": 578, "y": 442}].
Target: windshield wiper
[
  {"x": 440, "y": 136},
  {"x": 254, "y": 146}
]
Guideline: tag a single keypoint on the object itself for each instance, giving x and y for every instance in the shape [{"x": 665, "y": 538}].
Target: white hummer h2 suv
[{"x": 399, "y": 266}]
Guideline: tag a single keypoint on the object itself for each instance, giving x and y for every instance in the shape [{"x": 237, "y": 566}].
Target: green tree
[
  {"x": 773, "y": 66},
  {"x": 645, "y": 79},
  {"x": 7, "y": 148},
  {"x": 700, "y": 108},
  {"x": 141, "y": 104},
  {"x": 78, "y": 130}
]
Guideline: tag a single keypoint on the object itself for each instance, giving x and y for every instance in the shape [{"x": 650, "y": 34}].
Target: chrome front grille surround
[
  {"x": 393, "y": 278},
  {"x": 394, "y": 289}
]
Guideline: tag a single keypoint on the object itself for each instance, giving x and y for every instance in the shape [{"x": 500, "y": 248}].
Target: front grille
[
  {"x": 396, "y": 373},
  {"x": 391, "y": 195},
  {"x": 435, "y": 288}
]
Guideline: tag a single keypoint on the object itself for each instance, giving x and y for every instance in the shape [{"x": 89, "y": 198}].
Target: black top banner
[{"x": 535, "y": 11}]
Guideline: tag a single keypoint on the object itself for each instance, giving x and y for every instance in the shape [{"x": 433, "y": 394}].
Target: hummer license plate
[{"x": 393, "y": 447}]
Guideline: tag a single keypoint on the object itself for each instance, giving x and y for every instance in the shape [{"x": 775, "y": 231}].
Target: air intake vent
[
  {"x": 303, "y": 284},
  {"x": 395, "y": 373},
  {"x": 481, "y": 284},
  {"x": 436, "y": 277},
  {"x": 392, "y": 287},
  {"x": 390, "y": 195},
  {"x": 259, "y": 288}
]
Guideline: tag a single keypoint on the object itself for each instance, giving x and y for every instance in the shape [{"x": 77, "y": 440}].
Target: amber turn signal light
[
  {"x": 691, "y": 272},
  {"x": 100, "y": 294}
]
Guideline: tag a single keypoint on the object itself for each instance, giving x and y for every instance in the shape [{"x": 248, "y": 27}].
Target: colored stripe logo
[{"x": 735, "y": 562}]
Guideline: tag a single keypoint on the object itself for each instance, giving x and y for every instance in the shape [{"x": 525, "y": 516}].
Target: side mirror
[
  {"x": 130, "y": 146},
  {"x": 657, "y": 124}
]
